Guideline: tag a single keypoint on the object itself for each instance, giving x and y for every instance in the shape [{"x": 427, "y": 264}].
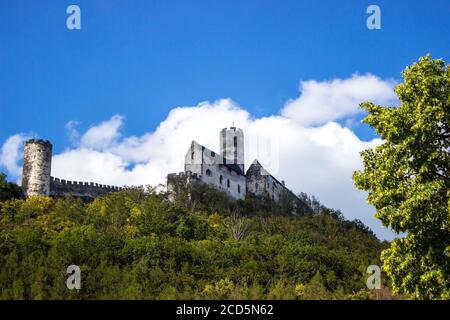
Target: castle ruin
[
  {"x": 223, "y": 171},
  {"x": 37, "y": 179}
]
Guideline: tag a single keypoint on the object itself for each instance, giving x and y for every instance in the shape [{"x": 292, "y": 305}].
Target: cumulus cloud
[
  {"x": 103, "y": 135},
  {"x": 325, "y": 101},
  {"x": 307, "y": 149},
  {"x": 73, "y": 133},
  {"x": 11, "y": 154}
]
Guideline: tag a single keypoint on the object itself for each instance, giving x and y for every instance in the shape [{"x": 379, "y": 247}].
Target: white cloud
[
  {"x": 325, "y": 101},
  {"x": 318, "y": 160},
  {"x": 11, "y": 154},
  {"x": 102, "y": 135},
  {"x": 74, "y": 135}
]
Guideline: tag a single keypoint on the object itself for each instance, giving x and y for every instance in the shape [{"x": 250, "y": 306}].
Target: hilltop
[{"x": 136, "y": 244}]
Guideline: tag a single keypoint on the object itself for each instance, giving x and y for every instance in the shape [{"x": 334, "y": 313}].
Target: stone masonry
[
  {"x": 37, "y": 179},
  {"x": 225, "y": 171}
]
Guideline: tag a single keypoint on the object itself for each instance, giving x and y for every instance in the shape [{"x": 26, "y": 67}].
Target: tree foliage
[
  {"x": 136, "y": 244},
  {"x": 408, "y": 180},
  {"x": 8, "y": 190}
]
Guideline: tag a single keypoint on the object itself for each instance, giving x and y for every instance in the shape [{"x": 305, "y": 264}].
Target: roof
[
  {"x": 232, "y": 166},
  {"x": 235, "y": 167},
  {"x": 262, "y": 170}
]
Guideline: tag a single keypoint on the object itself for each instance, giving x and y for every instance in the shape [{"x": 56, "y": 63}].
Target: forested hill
[{"x": 135, "y": 244}]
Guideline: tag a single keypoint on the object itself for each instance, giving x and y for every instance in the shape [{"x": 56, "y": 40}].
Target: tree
[
  {"x": 407, "y": 178},
  {"x": 237, "y": 225},
  {"x": 8, "y": 190}
]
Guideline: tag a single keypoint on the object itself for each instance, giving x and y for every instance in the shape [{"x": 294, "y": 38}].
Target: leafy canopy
[
  {"x": 135, "y": 244},
  {"x": 8, "y": 190},
  {"x": 407, "y": 178}
]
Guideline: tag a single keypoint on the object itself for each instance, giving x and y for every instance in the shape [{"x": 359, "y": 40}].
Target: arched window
[
  {"x": 239, "y": 188},
  {"x": 228, "y": 183},
  {"x": 220, "y": 179},
  {"x": 208, "y": 173},
  {"x": 256, "y": 186},
  {"x": 192, "y": 156}
]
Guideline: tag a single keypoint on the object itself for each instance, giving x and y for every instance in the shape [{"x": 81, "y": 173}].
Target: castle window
[
  {"x": 235, "y": 141},
  {"x": 220, "y": 179},
  {"x": 256, "y": 186},
  {"x": 208, "y": 173},
  {"x": 239, "y": 188},
  {"x": 228, "y": 183},
  {"x": 213, "y": 154},
  {"x": 192, "y": 156}
]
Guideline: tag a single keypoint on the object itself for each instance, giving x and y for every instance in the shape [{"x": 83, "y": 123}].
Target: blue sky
[{"x": 141, "y": 59}]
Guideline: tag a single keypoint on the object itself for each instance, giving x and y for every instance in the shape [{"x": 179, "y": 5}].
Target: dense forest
[{"x": 136, "y": 244}]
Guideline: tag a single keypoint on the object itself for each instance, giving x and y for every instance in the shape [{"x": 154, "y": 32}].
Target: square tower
[{"x": 232, "y": 146}]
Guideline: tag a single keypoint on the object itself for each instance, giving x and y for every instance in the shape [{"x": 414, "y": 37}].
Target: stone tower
[
  {"x": 232, "y": 146},
  {"x": 37, "y": 160}
]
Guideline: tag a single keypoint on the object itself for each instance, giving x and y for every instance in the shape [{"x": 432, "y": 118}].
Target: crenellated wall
[
  {"x": 37, "y": 179},
  {"x": 178, "y": 181},
  {"x": 88, "y": 190}
]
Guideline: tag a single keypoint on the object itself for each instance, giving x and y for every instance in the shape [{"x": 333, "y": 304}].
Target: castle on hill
[
  {"x": 224, "y": 171},
  {"x": 37, "y": 179}
]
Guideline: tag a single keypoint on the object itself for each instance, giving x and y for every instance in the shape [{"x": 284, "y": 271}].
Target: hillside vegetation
[{"x": 135, "y": 244}]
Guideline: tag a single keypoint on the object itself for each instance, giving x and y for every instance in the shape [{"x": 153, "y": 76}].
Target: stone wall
[
  {"x": 37, "y": 167},
  {"x": 86, "y": 190},
  {"x": 176, "y": 182},
  {"x": 260, "y": 182},
  {"x": 210, "y": 168}
]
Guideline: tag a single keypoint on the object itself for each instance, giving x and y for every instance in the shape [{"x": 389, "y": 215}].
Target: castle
[
  {"x": 224, "y": 171},
  {"x": 37, "y": 179}
]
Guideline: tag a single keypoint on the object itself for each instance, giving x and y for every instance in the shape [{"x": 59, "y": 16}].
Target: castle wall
[
  {"x": 210, "y": 168},
  {"x": 87, "y": 190},
  {"x": 194, "y": 158},
  {"x": 37, "y": 179},
  {"x": 260, "y": 182},
  {"x": 176, "y": 181},
  {"x": 223, "y": 178},
  {"x": 37, "y": 167}
]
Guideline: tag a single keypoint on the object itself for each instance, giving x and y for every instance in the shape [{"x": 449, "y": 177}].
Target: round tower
[
  {"x": 232, "y": 146},
  {"x": 37, "y": 160}
]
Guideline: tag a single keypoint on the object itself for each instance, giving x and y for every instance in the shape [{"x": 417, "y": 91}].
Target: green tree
[
  {"x": 8, "y": 190},
  {"x": 407, "y": 178}
]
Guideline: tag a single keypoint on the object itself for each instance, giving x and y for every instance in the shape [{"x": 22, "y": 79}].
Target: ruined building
[
  {"x": 37, "y": 179},
  {"x": 225, "y": 170}
]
